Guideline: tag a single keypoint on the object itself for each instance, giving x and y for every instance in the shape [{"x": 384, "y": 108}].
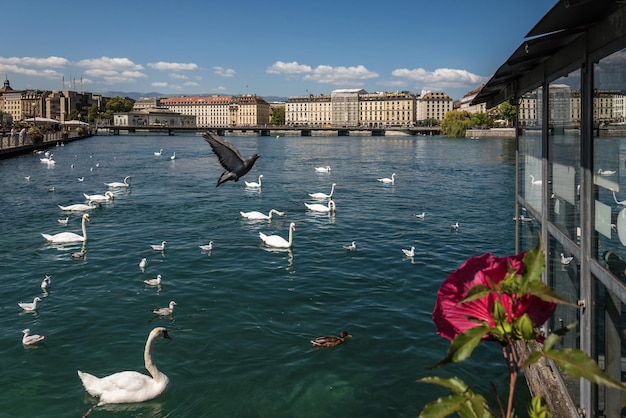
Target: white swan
[
  {"x": 64, "y": 221},
  {"x": 47, "y": 159},
  {"x": 409, "y": 253},
  {"x": 79, "y": 207},
  {"x": 350, "y": 247},
  {"x": 30, "y": 307},
  {"x": 277, "y": 241},
  {"x": 46, "y": 283},
  {"x": 388, "y": 180},
  {"x": 28, "y": 339},
  {"x": 253, "y": 184},
  {"x": 254, "y": 215},
  {"x": 117, "y": 184},
  {"x": 159, "y": 153},
  {"x": 566, "y": 260},
  {"x": 67, "y": 237},
  {"x": 130, "y": 386},
  {"x": 173, "y": 157},
  {"x": 159, "y": 247},
  {"x": 143, "y": 263},
  {"x": 322, "y": 196},
  {"x": 153, "y": 282},
  {"x": 208, "y": 247},
  {"x": 535, "y": 182},
  {"x": 619, "y": 202},
  {"x": 106, "y": 197},
  {"x": 316, "y": 207},
  {"x": 606, "y": 172},
  {"x": 322, "y": 169},
  {"x": 165, "y": 311}
]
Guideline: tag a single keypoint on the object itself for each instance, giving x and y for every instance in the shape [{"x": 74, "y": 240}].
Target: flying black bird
[{"x": 235, "y": 166}]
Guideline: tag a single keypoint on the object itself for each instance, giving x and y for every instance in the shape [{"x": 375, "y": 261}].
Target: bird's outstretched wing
[{"x": 226, "y": 152}]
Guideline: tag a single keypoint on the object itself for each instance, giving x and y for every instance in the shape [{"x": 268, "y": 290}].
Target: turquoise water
[{"x": 245, "y": 314}]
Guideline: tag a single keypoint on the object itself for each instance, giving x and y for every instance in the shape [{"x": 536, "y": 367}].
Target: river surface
[{"x": 245, "y": 314}]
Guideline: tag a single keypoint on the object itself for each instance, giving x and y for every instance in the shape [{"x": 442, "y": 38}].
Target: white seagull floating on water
[
  {"x": 165, "y": 311},
  {"x": 153, "y": 282},
  {"x": 160, "y": 247},
  {"x": 64, "y": 221},
  {"x": 29, "y": 307},
  {"x": 420, "y": 215},
  {"x": 46, "y": 283},
  {"x": 207, "y": 247},
  {"x": 350, "y": 247},
  {"x": 29, "y": 339},
  {"x": 409, "y": 253},
  {"x": 566, "y": 260},
  {"x": 143, "y": 263}
]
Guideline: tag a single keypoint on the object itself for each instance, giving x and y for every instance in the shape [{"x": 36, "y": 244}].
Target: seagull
[
  {"x": 143, "y": 263},
  {"x": 454, "y": 227},
  {"x": 420, "y": 215},
  {"x": 153, "y": 282},
  {"x": 64, "y": 221},
  {"x": 388, "y": 180},
  {"x": 78, "y": 254},
  {"x": 27, "y": 178},
  {"x": 81, "y": 179},
  {"x": 207, "y": 247},
  {"x": 46, "y": 283},
  {"x": 28, "y": 339},
  {"x": 235, "y": 166},
  {"x": 409, "y": 253},
  {"x": 566, "y": 260},
  {"x": 350, "y": 247},
  {"x": 29, "y": 307},
  {"x": 165, "y": 311},
  {"x": 160, "y": 247}
]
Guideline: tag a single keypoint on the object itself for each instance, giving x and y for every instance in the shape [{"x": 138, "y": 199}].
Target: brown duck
[{"x": 331, "y": 340}]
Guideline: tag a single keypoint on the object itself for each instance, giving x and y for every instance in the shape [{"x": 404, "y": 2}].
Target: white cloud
[
  {"x": 159, "y": 84},
  {"x": 440, "y": 78},
  {"x": 340, "y": 75},
  {"x": 280, "y": 67},
  {"x": 173, "y": 66},
  {"x": 177, "y": 76},
  {"x": 112, "y": 70},
  {"x": 115, "y": 64},
  {"x": 191, "y": 84},
  {"x": 224, "y": 72},
  {"x": 55, "y": 62}
]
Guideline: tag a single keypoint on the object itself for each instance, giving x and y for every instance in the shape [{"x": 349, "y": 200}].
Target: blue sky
[{"x": 268, "y": 48}]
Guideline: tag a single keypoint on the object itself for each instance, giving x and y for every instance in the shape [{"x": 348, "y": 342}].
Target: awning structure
[
  {"x": 41, "y": 120},
  {"x": 75, "y": 123},
  {"x": 559, "y": 28}
]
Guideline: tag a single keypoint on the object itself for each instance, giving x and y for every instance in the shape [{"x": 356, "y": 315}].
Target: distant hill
[{"x": 136, "y": 95}]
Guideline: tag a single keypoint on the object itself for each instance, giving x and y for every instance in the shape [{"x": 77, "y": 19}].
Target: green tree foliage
[
  {"x": 117, "y": 105},
  {"x": 278, "y": 116},
  {"x": 455, "y": 123},
  {"x": 92, "y": 113},
  {"x": 73, "y": 115}
]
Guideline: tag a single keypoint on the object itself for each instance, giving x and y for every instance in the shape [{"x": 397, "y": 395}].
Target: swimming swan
[
  {"x": 535, "y": 182},
  {"x": 254, "y": 215},
  {"x": 322, "y": 196},
  {"x": 322, "y": 169},
  {"x": 78, "y": 207},
  {"x": 107, "y": 196},
  {"x": 388, "y": 180},
  {"x": 67, "y": 237},
  {"x": 316, "y": 207},
  {"x": 278, "y": 241},
  {"x": 130, "y": 386},
  {"x": 116, "y": 184},
  {"x": 254, "y": 185}
]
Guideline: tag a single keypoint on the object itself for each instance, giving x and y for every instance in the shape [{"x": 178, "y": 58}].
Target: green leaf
[
  {"x": 466, "y": 403},
  {"x": 463, "y": 345},
  {"x": 534, "y": 263},
  {"x": 544, "y": 292},
  {"x": 443, "y": 407},
  {"x": 524, "y": 328},
  {"x": 532, "y": 358},
  {"x": 454, "y": 383},
  {"x": 577, "y": 363},
  {"x": 476, "y": 292},
  {"x": 553, "y": 338}
]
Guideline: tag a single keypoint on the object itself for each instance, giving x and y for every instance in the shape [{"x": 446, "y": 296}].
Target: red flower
[{"x": 452, "y": 317}]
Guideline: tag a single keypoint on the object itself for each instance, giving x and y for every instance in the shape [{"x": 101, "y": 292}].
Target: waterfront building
[
  {"x": 465, "y": 104},
  {"x": 310, "y": 110},
  {"x": 345, "y": 107},
  {"x": 210, "y": 111},
  {"x": 161, "y": 117},
  {"x": 380, "y": 109},
  {"x": 58, "y": 104},
  {"x": 571, "y": 67},
  {"x": 433, "y": 105},
  {"x": 249, "y": 110},
  {"x": 147, "y": 103}
]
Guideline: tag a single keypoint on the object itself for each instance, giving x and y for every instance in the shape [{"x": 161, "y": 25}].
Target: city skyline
[{"x": 261, "y": 48}]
